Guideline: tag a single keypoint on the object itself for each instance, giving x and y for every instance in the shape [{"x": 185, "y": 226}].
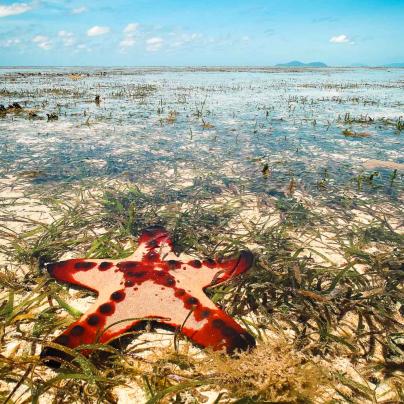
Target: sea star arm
[
  {"x": 93, "y": 327},
  {"x": 95, "y": 274},
  {"x": 220, "y": 332},
  {"x": 85, "y": 273},
  {"x": 234, "y": 267},
  {"x": 91, "y": 274},
  {"x": 211, "y": 272},
  {"x": 86, "y": 330},
  {"x": 154, "y": 243}
]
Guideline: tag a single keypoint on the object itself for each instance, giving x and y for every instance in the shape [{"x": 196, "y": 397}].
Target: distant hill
[
  {"x": 395, "y": 65},
  {"x": 296, "y": 63}
]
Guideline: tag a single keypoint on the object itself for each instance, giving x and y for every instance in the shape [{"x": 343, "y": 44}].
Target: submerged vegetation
[{"x": 324, "y": 299}]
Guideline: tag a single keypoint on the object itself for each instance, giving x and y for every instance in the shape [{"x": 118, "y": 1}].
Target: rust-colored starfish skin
[{"x": 151, "y": 283}]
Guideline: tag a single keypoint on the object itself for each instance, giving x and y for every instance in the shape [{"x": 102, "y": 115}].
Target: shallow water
[{"x": 159, "y": 125}]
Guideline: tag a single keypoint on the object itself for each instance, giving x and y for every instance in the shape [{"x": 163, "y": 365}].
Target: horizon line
[{"x": 278, "y": 66}]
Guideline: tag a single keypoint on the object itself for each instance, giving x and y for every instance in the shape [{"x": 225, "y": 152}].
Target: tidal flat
[{"x": 304, "y": 167}]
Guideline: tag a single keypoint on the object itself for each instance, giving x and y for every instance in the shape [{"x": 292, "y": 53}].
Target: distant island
[
  {"x": 296, "y": 63},
  {"x": 395, "y": 65}
]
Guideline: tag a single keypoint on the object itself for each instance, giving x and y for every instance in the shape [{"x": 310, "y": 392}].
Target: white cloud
[
  {"x": 42, "y": 42},
  {"x": 154, "y": 44},
  {"x": 340, "y": 39},
  {"x": 14, "y": 9},
  {"x": 127, "y": 42},
  {"x": 129, "y": 38},
  {"x": 82, "y": 47},
  {"x": 67, "y": 38},
  {"x": 8, "y": 43},
  {"x": 97, "y": 31},
  {"x": 184, "y": 39},
  {"x": 131, "y": 28},
  {"x": 79, "y": 10}
]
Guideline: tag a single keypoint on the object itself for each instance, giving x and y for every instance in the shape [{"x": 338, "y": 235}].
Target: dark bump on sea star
[
  {"x": 84, "y": 265},
  {"x": 129, "y": 283},
  {"x": 218, "y": 323},
  {"x": 196, "y": 263},
  {"x": 179, "y": 292},
  {"x": 192, "y": 300},
  {"x": 170, "y": 281},
  {"x": 106, "y": 309},
  {"x": 173, "y": 264},
  {"x": 77, "y": 331},
  {"x": 139, "y": 274},
  {"x": 229, "y": 332},
  {"x": 62, "y": 339},
  {"x": 105, "y": 265},
  {"x": 118, "y": 296},
  {"x": 127, "y": 265},
  {"x": 210, "y": 262},
  {"x": 152, "y": 256},
  {"x": 93, "y": 320},
  {"x": 152, "y": 244}
]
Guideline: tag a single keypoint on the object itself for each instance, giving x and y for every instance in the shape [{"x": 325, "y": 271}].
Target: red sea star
[{"x": 153, "y": 284}]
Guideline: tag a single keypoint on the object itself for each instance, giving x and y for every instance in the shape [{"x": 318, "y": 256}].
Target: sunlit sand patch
[
  {"x": 373, "y": 164},
  {"x": 75, "y": 76},
  {"x": 97, "y": 163}
]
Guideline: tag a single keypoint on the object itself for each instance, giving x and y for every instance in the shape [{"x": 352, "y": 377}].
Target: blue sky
[{"x": 221, "y": 32}]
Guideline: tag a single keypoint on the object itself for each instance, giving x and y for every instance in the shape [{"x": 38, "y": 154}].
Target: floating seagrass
[{"x": 152, "y": 283}]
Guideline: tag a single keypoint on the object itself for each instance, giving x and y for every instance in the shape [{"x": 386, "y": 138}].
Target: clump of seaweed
[
  {"x": 350, "y": 133},
  {"x": 13, "y": 108},
  {"x": 273, "y": 372},
  {"x": 400, "y": 124},
  {"x": 53, "y": 116}
]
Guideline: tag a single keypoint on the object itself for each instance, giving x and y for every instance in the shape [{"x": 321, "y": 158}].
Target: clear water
[{"x": 227, "y": 125}]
